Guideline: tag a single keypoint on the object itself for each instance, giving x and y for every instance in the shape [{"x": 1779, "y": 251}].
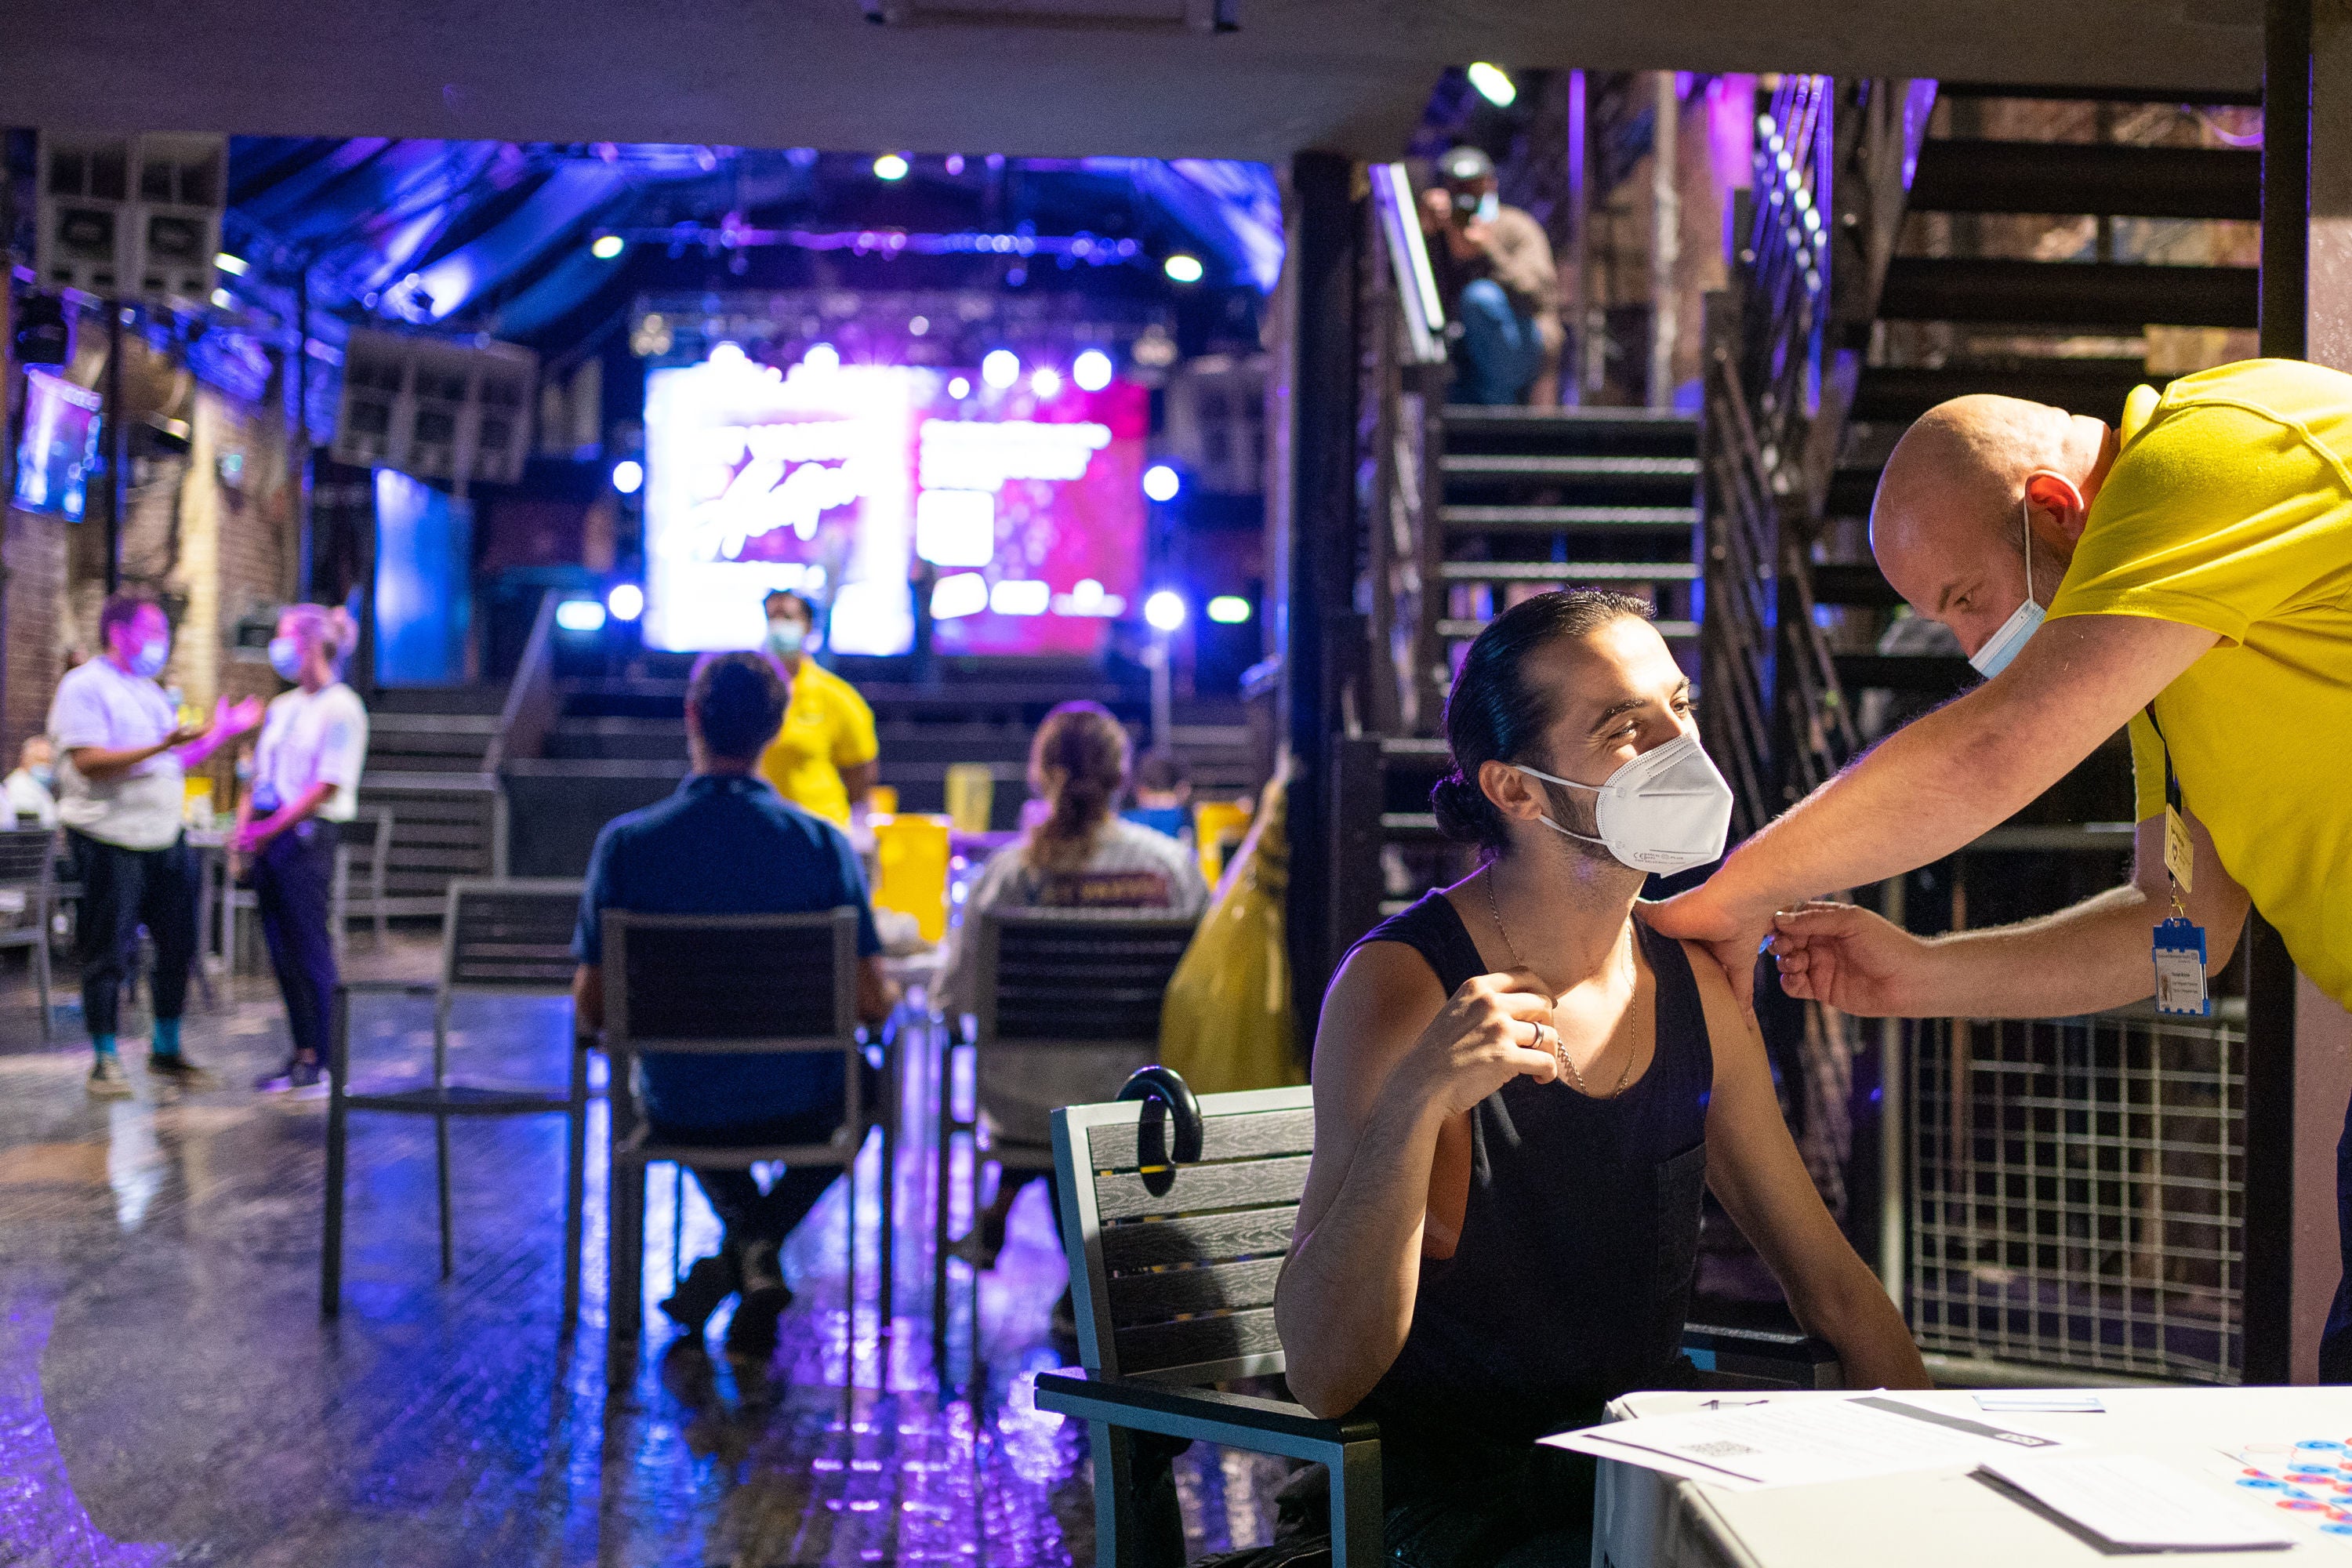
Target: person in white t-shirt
[
  {"x": 30, "y": 791},
  {"x": 1081, "y": 855},
  {"x": 306, "y": 778},
  {"x": 120, "y": 796}
]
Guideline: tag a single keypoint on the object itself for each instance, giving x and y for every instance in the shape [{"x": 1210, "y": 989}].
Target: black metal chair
[
  {"x": 28, "y": 869},
  {"x": 715, "y": 984},
  {"x": 498, "y": 938},
  {"x": 362, "y": 859},
  {"x": 1057, "y": 980},
  {"x": 1177, "y": 1215}
]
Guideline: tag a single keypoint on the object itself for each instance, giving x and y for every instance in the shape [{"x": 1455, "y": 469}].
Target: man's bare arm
[
  {"x": 1942, "y": 782},
  {"x": 1753, "y": 1168},
  {"x": 2092, "y": 957}
]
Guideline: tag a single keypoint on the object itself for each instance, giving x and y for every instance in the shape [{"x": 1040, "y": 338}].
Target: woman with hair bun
[
  {"x": 1521, "y": 1093},
  {"x": 306, "y": 776}
]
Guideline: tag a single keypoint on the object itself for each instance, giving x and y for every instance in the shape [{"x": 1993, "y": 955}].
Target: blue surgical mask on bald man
[{"x": 2023, "y": 622}]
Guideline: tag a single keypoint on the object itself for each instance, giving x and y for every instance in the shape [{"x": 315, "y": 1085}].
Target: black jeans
[
  {"x": 293, "y": 884},
  {"x": 747, "y": 1214},
  {"x": 122, "y": 889}
]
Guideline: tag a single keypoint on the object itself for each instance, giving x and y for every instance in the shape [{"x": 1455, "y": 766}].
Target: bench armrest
[{"x": 1234, "y": 1420}]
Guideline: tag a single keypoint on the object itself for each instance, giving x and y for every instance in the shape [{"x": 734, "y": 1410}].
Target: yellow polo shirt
[
  {"x": 2229, "y": 508},
  {"x": 827, "y": 728}
]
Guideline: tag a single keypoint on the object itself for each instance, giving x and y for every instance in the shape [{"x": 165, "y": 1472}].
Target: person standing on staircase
[
  {"x": 2188, "y": 575},
  {"x": 306, "y": 780},
  {"x": 1495, "y": 273},
  {"x": 823, "y": 757},
  {"x": 123, "y": 752}
]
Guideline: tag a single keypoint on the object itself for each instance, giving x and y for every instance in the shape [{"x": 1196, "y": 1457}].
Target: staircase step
[
  {"x": 1957, "y": 175},
  {"x": 1854, "y": 582},
  {"x": 1557, "y": 519},
  {"x": 1945, "y": 673},
  {"x": 1480, "y": 416},
  {"x": 2084, "y": 296},
  {"x": 1516, "y": 466},
  {"x": 2097, "y": 387},
  {"x": 1567, "y": 572},
  {"x": 1464, "y": 630},
  {"x": 2237, "y": 97},
  {"x": 1419, "y": 827},
  {"x": 401, "y": 723}
]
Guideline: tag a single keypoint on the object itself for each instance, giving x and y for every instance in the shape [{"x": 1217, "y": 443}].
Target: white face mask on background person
[
  {"x": 785, "y": 638},
  {"x": 147, "y": 659},
  {"x": 1666, "y": 810},
  {"x": 2023, "y": 622},
  {"x": 286, "y": 657}
]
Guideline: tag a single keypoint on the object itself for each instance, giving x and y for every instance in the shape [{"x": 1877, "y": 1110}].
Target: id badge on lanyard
[{"x": 2180, "y": 945}]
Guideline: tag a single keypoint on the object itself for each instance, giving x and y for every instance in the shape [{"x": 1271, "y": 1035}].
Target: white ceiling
[{"x": 1348, "y": 75}]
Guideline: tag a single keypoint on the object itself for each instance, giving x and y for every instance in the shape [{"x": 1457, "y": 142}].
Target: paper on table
[
  {"x": 1800, "y": 1442},
  {"x": 2140, "y": 1503},
  {"x": 2050, "y": 1401}
]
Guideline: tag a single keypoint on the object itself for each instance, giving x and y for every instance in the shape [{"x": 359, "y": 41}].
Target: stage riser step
[{"x": 1565, "y": 518}]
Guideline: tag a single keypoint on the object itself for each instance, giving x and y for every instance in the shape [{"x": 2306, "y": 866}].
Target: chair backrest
[
  {"x": 1076, "y": 976},
  {"x": 1177, "y": 1286},
  {"x": 716, "y": 983},
  {"x": 27, "y": 857},
  {"x": 500, "y": 935},
  {"x": 367, "y": 840}
]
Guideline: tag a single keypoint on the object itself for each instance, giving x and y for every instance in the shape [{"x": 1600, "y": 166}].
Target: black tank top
[{"x": 1574, "y": 1272}]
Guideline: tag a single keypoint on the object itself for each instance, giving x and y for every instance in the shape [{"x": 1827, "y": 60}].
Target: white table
[{"x": 1947, "y": 1518}]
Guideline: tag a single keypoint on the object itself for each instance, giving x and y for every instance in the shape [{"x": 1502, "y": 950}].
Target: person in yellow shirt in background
[
  {"x": 822, "y": 758},
  {"x": 2195, "y": 567}
]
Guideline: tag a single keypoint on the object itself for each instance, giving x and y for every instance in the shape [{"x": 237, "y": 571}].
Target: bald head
[{"x": 1947, "y": 528}]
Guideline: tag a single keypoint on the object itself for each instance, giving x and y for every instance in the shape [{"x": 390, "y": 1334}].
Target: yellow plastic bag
[{"x": 1227, "y": 1023}]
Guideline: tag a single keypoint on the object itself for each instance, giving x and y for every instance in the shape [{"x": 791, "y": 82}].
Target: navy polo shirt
[{"x": 725, "y": 845}]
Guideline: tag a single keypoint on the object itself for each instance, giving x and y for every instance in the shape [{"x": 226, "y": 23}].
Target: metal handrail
[{"x": 530, "y": 706}]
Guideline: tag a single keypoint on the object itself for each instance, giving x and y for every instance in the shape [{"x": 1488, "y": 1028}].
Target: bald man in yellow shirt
[
  {"x": 824, "y": 758},
  {"x": 2194, "y": 570}
]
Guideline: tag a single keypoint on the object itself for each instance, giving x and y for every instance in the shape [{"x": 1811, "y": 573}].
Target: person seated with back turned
[
  {"x": 1520, "y": 1092},
  {"x": 727, "y": 844},
  {"x": 1082, "y": 856}
]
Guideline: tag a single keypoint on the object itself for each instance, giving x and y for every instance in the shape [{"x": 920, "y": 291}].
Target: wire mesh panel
[{"x": 2077, "y": 1187}]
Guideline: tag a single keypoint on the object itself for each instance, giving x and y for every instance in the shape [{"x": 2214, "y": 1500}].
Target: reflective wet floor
[{"x": 169, "y": 1393}]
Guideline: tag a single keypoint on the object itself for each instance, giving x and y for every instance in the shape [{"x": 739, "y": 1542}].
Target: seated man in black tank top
[{"x": 1519, "y": 1093}]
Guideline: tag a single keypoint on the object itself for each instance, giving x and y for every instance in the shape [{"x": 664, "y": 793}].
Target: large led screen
[{"x": 841, "y": 479}]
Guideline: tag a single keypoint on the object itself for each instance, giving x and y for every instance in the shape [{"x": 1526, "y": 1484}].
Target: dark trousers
[
  {"x": 122, "y": 889},
  {"x": 747, "y": 1214},
  {"x": 293, "y": 883}
]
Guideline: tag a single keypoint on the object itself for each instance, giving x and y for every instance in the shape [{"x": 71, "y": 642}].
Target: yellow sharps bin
[{"x": 911, "y": 856}]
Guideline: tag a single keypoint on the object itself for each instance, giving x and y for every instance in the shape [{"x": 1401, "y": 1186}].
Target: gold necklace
[{"x": 1559, "y": 1046}]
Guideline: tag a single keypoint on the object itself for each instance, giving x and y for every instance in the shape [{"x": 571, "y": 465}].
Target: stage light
[
  {"x": 1047, "y": 382},
  {"x": 232, "y": 265},
  {"x": 821, "y": 357},
  {"x": 1229, "y": 609},
  {"x": 964, "y": 594},
  {"x": 918, "y": 326},
  {"x": 1092, "y": 371},
  {"x": 1019, "y": 597},
  {"x": 727, "y": 353},
  {"x": 955, "y": 163},
  {"x": 1182, "y": 269},
  {"x": 223, "y": 299},
  {"x": 1164, "y": 610},
  {"x": 1000, "y": 368},
  {"x": 1161, "y": 482},
  {"x": 580, "y": 616},
  {"x": 628, "y": 476},
  {"x": 1494, "y": 84},
  {"x": 958, "y": 388},
  {"x": 627, "y": 601},
  {"x": 890, "y": 166},
  {"x": 605, "y": 246}
]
